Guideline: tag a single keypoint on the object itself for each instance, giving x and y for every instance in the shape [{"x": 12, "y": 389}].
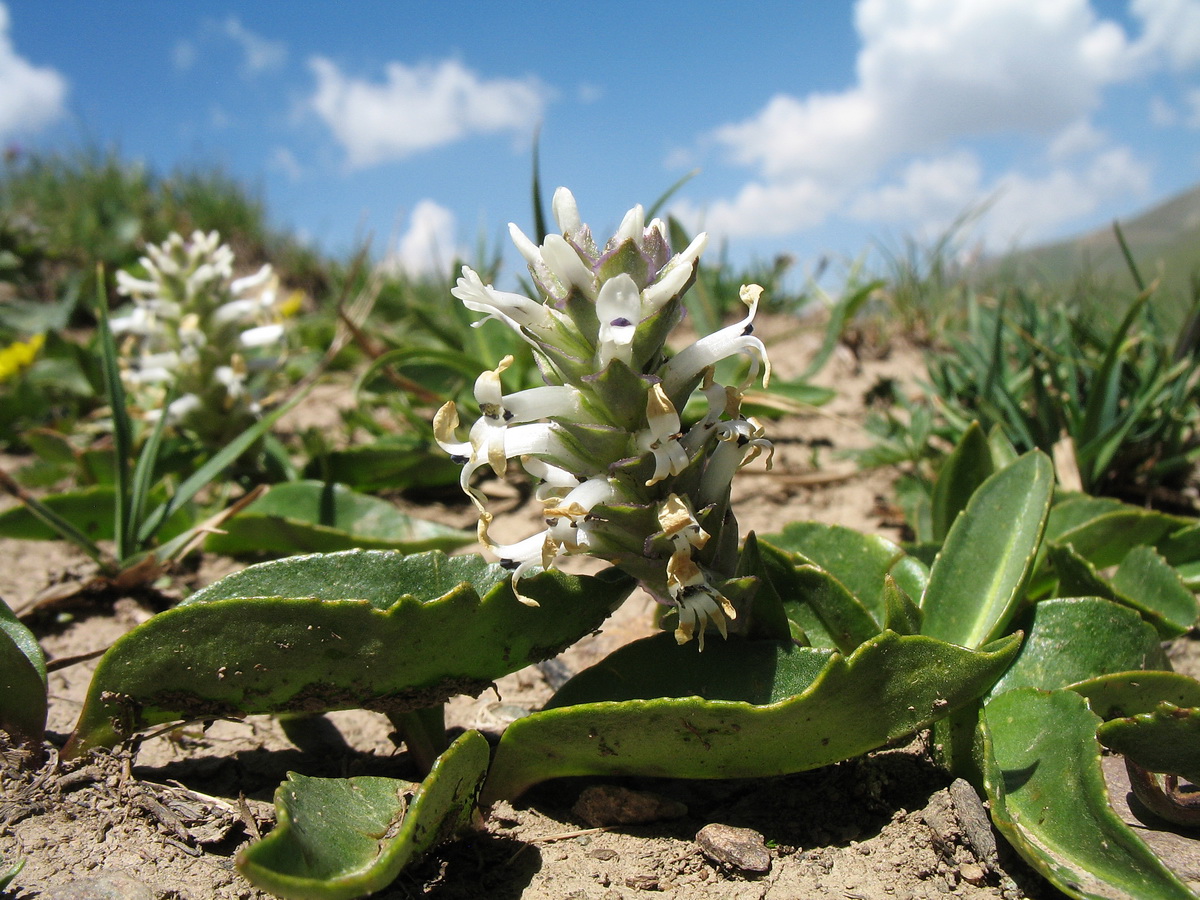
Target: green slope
[{"x": 1164, "y": 240}]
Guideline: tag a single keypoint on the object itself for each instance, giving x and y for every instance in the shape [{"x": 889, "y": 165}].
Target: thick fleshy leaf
[
  {"x": 1165, "y": 740},
  {"x": 22, "y": 694},
  {"x": 859, "y": 561},
  {"x": 844, "y": 617},
  {"x": 1129, "y": 693},
  {"x": 314, "y": 516},
  {"x": 903, "y": 616},
  {"x": 965, "y": 469},
  {"x": 340, "y": 838},
  {"x": 1148, "y": 583},
  {"x": 1102, "y": 530},
  {"x": 361, "y": 629},
  {"x": 22, "y": 680},
  {"x": 742, "y": 709},
  {"x": 818, "y": 605},
  {"x": 977, "y": 580},
  {"x": 1182, "y": 550},
  {"x": 1076, "y": 576},
  {"x": 1073, "y": 640},
  {"x": 1049, "y": 799},
  {"x": 23, "y": 638},
  {"x": 765, "y": 617}
]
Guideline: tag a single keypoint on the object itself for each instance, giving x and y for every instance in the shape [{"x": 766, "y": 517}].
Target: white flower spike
[{"x": 618, "y": 474}]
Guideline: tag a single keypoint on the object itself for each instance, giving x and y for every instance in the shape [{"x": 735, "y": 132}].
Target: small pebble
[
  {"x": 973, "y": 873},
  {"x": 740, "y": 848}
]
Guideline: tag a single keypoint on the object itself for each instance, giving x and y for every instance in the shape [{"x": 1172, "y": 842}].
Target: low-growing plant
[
  {"x": 1115, "y": 406},
  {"x": 781, "y": 654},
  {"x": 149, "y": 523}
]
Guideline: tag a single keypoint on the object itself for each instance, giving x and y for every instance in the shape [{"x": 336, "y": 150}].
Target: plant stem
[{"x": 424, "y": 734}]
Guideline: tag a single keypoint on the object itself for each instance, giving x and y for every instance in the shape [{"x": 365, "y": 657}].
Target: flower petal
[{"x": 618, "y": 307}]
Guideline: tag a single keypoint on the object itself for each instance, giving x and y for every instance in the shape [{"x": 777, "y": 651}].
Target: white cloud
[
  {"x": 1170, "y": 31},
  {"x": 936, "y": 80},
  {"x": 1078, "y": 138},
  {"x": 284, "y": 160},
  {"x": 1192, "y": 101},
  {"x": 931, "y": 71},
  {"x": 183, "y": 57},
  {"x": 1162, "y": 113},
  {"x": 429, "y": 245},
  {"x": 419, "y": 107},
  {"x": 930, "y": 194},
  {"x": 763, "y": 208},
  {"x": 260, "y": 54},
  {"x": 1032, "y": 209},
  {"x": 31, "y": 97},
  {"x": 587, "y": 92}
]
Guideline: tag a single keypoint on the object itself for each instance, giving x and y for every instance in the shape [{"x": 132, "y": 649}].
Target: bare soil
[{"x": 165, "y": 818}]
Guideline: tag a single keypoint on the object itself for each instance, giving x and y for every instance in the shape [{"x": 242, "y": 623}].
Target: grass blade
[
  {"x": 122, "y": 426},
  {"x": 200, "y": 479},
  {"x": 539, "y": 209}
]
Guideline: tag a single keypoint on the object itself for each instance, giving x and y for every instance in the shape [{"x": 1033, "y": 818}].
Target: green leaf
[
  {"x": 22, "y": 680},
  {"x": 1165, "y": 740},
  {"x": 1073, "y": 640},
  {"x": 1154, "y": 588},
  {"x": 977, "y": 580},
  {"x": 23, "y": 638},
  {"x": 1076, "y": 576},
  {"x": 1103, "y": 537},
  {"x": 7, "y": 875},
  {"x": 902, "y": 615},
  {"x": 364, "y": 629},
  {"x": 1129, "y": 693},
  {"x": 1004, "y": 454},
  {"x": 764, "y": 614},
  {"x": 311, "y": 516},
  {"x": 815, "y": 602},
  {"x": 964, "y": 470},
  {"x": 124, "y": 526},
  {"x": 1049, "y": 799},
  {"x": 859, "y": 561},
  {"x": 340, "y": 838},
  {"x": 202, "y": 477},
  {"x": 724, "y": 714}
]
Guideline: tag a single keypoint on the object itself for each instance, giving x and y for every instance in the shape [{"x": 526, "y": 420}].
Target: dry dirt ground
[{"x": 166, "y": 818}]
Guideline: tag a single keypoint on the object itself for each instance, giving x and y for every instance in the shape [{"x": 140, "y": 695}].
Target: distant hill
[{"x": 1164, "y": 240}]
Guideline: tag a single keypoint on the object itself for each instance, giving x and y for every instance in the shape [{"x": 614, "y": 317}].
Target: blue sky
[{"x": 817, "y": 127}]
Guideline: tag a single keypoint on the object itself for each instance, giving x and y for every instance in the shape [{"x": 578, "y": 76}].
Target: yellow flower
[{"x": 19, "y": 355}]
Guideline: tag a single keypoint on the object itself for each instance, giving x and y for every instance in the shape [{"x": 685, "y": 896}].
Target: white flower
[
  {"x": 597, "y": 428},
  {"x": 674, "y": 275},
  {"x": 513, "y": 309},
  {"x": 619, "y": 309},
  {"x": 661, "y": 438},
  {"x": 698, "y": 601},
  {"x": 262, "y": 336},
  {"x": 686, "y": 365},
  {"x": 566, "y": 211}
]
